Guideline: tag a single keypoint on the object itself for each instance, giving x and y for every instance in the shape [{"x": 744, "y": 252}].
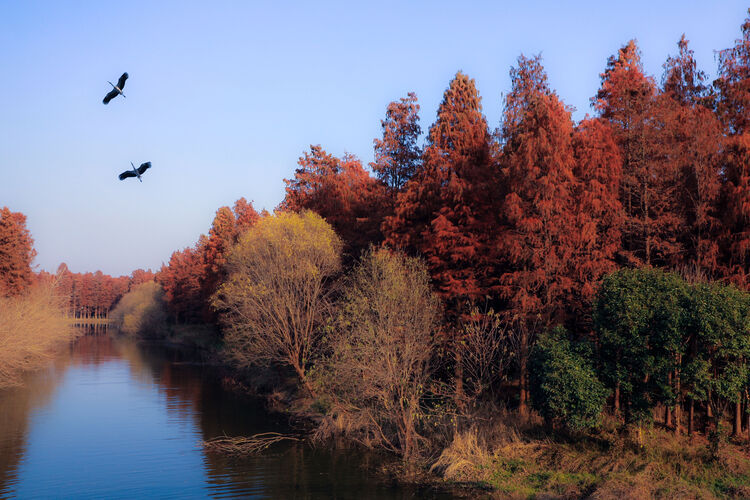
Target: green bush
[{"x": 564, "y": 386}]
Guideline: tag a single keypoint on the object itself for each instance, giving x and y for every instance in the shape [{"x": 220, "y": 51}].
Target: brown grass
[
  {"x": 518, "y": 461},
  {"x": 31, "y": 326}
]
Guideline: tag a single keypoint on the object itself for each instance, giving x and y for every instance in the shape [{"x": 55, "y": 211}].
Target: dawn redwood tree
[
  {"x": 598, "y": 214},
  {"x": 444, "y": 212},
  {"x": 138, "y": 277},
  {"x": 397, "y": 154},
  {"x": 537, "y": 240},
  {"x": 181, "y": 280},
  {"x": 693, "y": 138},
  {"x": 627, "y": 99},
  {"x": 245, "y": 216},
  {"x": 16, "y": 253},
  {"x": 340, "y": 191},
  {"x": 733, "y": 106}
]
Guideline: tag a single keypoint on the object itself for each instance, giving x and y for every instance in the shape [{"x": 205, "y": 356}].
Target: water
[{"x": 112, "y": 419}]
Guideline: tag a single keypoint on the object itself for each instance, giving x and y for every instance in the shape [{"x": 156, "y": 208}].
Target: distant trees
[
  {"x": 274, "y": 299},
  {"x": 193, "y": 274},
  {"x": 16, "y": 253},
  {"x": 92, "y": 295},
  {"x": 142, "y": 311}
]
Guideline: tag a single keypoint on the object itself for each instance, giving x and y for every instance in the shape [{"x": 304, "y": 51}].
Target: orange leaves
[
  {"x": 16, "y": 253},
  {"x": 445, "y": 211},
  {"x": 340, "y": 191}
]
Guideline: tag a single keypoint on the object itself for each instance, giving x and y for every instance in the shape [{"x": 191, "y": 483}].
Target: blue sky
[{"x": 223, "y": 97}]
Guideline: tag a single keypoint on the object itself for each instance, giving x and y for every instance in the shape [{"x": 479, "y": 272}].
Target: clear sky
[{"x": 223, "y": 97}]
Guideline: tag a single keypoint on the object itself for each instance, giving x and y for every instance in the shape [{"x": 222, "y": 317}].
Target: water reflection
[{"x": 114, "y": 419}]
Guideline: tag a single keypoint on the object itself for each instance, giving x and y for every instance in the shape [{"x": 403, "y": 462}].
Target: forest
[{"x": 589, "y": 280}]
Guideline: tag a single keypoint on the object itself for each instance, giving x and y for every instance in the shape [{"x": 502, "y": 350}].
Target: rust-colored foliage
[
  {"x": 397, "y": 154},
  {"x": 181, "y": 280},
  {"x": 628, "y": 99},
  {"x": 16, "y": 253},
  {"x": 92, "y": 295},
  {"x": 538, "y": 162},
  {"x": 340, "y": 191},
  {"x": 193, "y": 274},
  {"x": 733, "y": 106},
  {"x": 445, "y": 210},
  {"x": 597, "y": 237},
  {"x": 693, "y": 140}
]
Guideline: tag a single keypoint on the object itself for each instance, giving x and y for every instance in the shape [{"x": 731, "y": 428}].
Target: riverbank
[
  {"x": 508, "y": 456},
  {"x": 32, "y": 326}
]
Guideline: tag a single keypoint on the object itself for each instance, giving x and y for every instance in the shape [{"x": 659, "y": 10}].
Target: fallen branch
[{"x": 246, "y": 445}]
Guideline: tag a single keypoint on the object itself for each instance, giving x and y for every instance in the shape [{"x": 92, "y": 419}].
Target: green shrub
[{"x": 564, "y": 386}]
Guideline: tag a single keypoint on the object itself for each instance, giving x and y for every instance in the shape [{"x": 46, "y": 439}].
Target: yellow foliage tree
[{"x": 276, "y": 293}]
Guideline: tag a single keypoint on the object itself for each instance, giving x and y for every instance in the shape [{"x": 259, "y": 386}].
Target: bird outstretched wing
[
  {"x": 110, "y": 95},
  {"x": 144, "y": 167},
  {"x": 121, "y": 81},
  {"x": 126, "y": 174}
]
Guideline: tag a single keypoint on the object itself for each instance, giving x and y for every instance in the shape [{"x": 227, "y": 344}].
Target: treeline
[
  {"x": 93, "y": 295},
  {"x": 192, "y": 275},
  {"x": 517, "y": 228}
]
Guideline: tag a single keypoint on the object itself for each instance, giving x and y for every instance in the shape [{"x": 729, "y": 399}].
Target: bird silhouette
[
  {"x": 136, "y": 172},
  {"x": 116, "y": 89}
]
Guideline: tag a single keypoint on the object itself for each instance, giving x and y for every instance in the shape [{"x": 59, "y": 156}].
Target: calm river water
[{"x": 113, "y": 419}]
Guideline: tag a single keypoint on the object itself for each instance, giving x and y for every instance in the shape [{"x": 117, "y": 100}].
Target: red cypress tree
[
  {"x": 733, "y": 86},
  {"x": 245, "y": 216},
  {"x": 445, "y": 210},
  {"x": 597, "y": 237},
  {"x": 627, "y": 98},
  {"x": 342, "y": 192},
  {"x": 537, "y": 242},
  {"x": 138, "y": 277},
  {"x": 693, "y": 140},
  {"x": 181, "y": 280},
  {"x": 16, "y": 253},
  {"x": 397, "y": 154}
]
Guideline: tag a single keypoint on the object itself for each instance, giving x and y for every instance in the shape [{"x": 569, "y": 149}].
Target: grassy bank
[
  {"x": 31, "y": 326},
  {"x": 511, "y": 459}
]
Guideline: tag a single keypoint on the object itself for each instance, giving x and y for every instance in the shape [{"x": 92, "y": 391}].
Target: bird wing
[
  {"x": 144, "y": 167},
  {"x": 110, "y": 95},
  {"x": 126, "y": 174},
  {"x": 121, "y": 81}
]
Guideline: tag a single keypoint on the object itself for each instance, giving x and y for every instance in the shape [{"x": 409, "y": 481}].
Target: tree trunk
[
  {"x": 523, "y": 406},
  {"x": 459, "y": 374},
  {"x": 678, "y": 406},
  {"x": 617, "y": 398},
  {"x": 737, "y": 422},
  {"x": 691, "y": 416}
]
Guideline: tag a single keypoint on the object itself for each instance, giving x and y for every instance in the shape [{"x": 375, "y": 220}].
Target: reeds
[{"x": 31, "y": 326}]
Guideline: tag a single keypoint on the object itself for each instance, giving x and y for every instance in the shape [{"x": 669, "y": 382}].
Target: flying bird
[
  {"x": 136, "y": 172},
  {"x": 116, "y": 89}
]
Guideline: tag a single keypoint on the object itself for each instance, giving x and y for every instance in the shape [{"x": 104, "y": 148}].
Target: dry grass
[
  {"x": 31, "y": 326},
  {"x": 517, "y": 462}
]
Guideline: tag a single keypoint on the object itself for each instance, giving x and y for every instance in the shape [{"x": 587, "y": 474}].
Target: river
[{"x": 111, "y": 418}]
